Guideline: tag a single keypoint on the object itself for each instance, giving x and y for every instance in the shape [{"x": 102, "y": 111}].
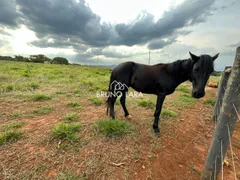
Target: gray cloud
[
  {"x": 60, "y": 42},
  {"x": 106, "y": 53},
  {"x": 65, "y": 18},
  {"x": 159, "y": 44},
  {"x": 8, "y": 13},
  {"x": 144, "y": 28},
  {"x": 76, "y": 21}
]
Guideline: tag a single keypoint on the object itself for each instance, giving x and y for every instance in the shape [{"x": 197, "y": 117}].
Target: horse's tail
[
  {"x": 107, "y": 104},
  {"x": 109, "y": 94},
  {"x": 121, "y": 74}
]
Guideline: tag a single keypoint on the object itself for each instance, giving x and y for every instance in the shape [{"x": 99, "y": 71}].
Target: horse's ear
[
  {"x": 215, "y": 57},
  {"x": 194, "y": 57}
]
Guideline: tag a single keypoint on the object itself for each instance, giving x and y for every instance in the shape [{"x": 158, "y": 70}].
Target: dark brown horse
[{"x": 159, "y": 79}]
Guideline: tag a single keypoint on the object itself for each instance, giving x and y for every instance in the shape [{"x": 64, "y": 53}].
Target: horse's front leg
[{"x": 160, "y": 100}]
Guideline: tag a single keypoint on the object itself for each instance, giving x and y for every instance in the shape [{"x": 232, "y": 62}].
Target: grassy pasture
[{"x": 55, "y": 125}]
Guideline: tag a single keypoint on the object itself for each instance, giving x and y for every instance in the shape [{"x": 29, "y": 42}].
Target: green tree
[
  {"x": 19, "y": 58},
  {"x": 59, "y": 60},
  {"x": 40, "y": 58},
  {"x": 6, "y": 58}
]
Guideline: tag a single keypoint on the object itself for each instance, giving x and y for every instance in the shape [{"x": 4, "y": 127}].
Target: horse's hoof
[
  {"x": 129, "y": 116},
  {"x": 157, "y": 133}
]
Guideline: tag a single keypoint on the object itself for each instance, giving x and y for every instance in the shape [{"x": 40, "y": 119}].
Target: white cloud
[
  {"x": 19, "y": 40},
  {"x": 124, "y": 11}
]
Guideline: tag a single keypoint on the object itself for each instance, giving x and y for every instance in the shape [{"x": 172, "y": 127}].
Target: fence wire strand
[
  {"x": 236, "y": 112},
  {"x": 218, "y": 109},
  {"x": 222, "y": 158},
  {"x": 215, "y": 172},
  {"x": 234, "y": 167}
]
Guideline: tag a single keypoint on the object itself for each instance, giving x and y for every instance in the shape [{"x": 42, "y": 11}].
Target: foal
[{"x": 160, "y": 79}]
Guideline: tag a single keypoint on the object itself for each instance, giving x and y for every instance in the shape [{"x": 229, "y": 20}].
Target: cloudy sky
[{"x": 109, "y": 32}]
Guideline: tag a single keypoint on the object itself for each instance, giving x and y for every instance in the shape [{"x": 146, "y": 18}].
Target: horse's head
[{"x": 203, "y": 66}]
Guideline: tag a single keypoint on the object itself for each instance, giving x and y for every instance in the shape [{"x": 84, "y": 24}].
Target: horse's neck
[{"x": 182, "y": 70}]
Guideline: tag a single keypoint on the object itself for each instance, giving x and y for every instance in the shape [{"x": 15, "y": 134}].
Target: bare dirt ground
[{"x": 179, "y": 154}]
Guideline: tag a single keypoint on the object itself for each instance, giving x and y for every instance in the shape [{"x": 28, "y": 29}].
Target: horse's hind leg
[
  {"x": 160, "y": 100},
  {"x": 123, "y": 103},
  {"x": 111, "y": 103}
]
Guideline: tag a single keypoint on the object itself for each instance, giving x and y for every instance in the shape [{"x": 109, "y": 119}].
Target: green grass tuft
[
  {"x": 96, "y": 101},
  {"x": 168, "y": 114},
  {"x": 68, "y": 176},
  {"x": 9, "y": 88},
  {"x": 71, "y": 117},
  {"x": 10, "y": 136},
  {"x": 60, "y": 92},
  {"x": 40, "y": 97},
  {"x": 111, "y": 128},
  {"x": 66, "y": 131},
  {"x": 117, "y": 102},
  {"x": 13, "y": 125},
  {"x": 14, "y": 114},
  {"x": 146, "y": 103},
  {"x": 43, "y": 110},
  {"x": 210, "y": 102},
  {"x": 73, "y": 104},
  {"x": 186, "y": 99},
  {"x": 33, "y": 85},
  {"x": 183, "y": 89}
]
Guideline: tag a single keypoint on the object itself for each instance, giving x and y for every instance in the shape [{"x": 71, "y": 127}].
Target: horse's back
[{"x": 123, "y": 72}]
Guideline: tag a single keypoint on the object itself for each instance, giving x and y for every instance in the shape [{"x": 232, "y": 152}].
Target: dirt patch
[{"x": 179, "y": 153}]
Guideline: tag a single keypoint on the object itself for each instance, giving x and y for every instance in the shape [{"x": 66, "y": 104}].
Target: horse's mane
[
  {"x": 206, "y": 62},
  {"x": 179, "y": 64}
]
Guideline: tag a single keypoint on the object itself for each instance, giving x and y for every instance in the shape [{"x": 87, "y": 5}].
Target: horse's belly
[
  {"x": 144, "y": 88},
  {"x": 144, "y": 82}
]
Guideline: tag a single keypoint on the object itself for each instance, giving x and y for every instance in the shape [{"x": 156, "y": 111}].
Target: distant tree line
[{"x": 40, "y": 58}]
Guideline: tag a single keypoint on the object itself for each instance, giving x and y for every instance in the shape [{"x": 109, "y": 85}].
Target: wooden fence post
[
  {"x": 225, "y": 125},
  {"x": 221, "y": 91}
]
